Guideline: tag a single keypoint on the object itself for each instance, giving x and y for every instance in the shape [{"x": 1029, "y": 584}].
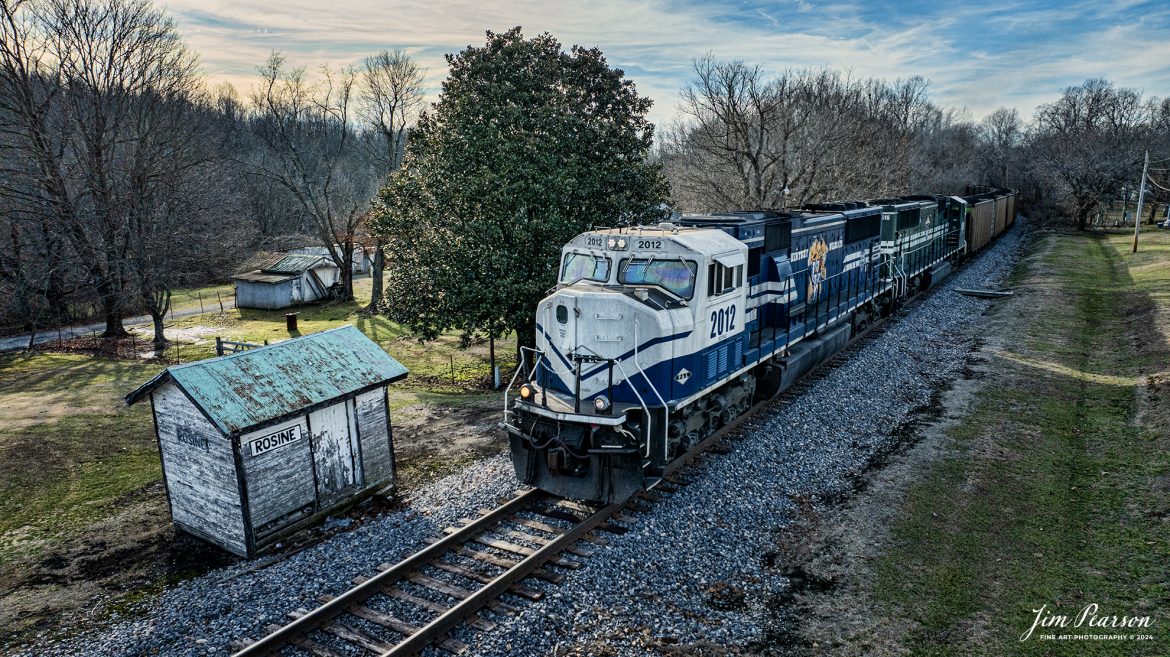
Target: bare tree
[
  {"x": 85, "y": 84},
  {"x": 1001, "y": 134},
  {"x": 748, "y": 141},
  {"x": 1087, "y": 144},
  {"x": 312, "y": 151},
  {"x": 391, "y": 97}
]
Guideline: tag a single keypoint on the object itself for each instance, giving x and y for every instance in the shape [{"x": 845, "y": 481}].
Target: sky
[{"x": 977, "y": 55}]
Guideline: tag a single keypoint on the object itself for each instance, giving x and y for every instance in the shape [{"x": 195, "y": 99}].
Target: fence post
[
  {"x": 220, "y": 300},
  {"x": 200, "y": 303},
  {"x": 452, "y": 357}
]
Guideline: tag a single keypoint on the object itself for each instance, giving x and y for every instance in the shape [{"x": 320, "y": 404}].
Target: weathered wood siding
[
  {"x": 265, "y": 295},
  {"x": 333, "y": 453},
  {"x": 373, "y": 428},
  {"x": 279, "y": 477},
  {"x": 199, "y": 464}
]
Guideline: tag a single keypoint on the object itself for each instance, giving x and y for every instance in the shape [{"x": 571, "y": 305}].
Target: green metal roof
[
  {"x": 261, "y": 385},
  {"x": 292, "y": 263},
  {"x": 261, "y": 277}
]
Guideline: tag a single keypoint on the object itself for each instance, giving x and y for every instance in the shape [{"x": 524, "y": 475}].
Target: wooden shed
[
  {"x": 264, "y": 442},
  {"x": 286, "y": 279}
]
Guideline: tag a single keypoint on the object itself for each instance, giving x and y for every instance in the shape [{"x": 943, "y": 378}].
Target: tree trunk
[
  {"x": 347, "y": 272},
  {"x": 55, "y": 298},
  {"x": 376, "y": 278},
  {"x": 157, "y": 318},
  {"x": 525, "y": 338},
  {"x": 111, "y": 311},
  {"x": 157, "y": 304}
]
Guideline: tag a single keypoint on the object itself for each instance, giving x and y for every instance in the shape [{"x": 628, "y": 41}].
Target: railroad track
[
  {"x": 490, "y": 556},
  {"x": 468, "y": 566}
]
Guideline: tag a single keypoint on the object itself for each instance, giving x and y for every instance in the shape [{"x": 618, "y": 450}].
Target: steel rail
[
  {"x": 342, "y": 604},
  {"x": 439, "y": 627}
]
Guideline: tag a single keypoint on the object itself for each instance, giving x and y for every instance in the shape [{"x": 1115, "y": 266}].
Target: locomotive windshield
[
  {"x": 580, "y": 266},
  {"x": 678, "y": 276}
]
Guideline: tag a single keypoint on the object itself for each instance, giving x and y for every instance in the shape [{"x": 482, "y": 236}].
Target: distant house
[
  {"x": 281, "y": 280},
  {"x": 363, "y": 258},
  {"x": 264, "y": 442}
]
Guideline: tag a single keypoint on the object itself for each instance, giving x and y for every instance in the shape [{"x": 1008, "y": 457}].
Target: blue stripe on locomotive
[{"x": 779, "y": 323}]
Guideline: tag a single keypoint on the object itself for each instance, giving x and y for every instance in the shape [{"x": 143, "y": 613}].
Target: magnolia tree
[{"x": 527, "y": 146}]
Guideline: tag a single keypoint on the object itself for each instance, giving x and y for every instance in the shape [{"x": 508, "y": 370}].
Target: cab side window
[{"x": 722, "y": 279}]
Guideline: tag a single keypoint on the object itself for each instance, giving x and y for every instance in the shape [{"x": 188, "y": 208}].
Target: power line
[{"x": 1150, "y": 180}]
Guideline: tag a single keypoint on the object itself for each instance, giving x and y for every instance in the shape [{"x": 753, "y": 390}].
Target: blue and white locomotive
[{"x": 657, "y": 336}]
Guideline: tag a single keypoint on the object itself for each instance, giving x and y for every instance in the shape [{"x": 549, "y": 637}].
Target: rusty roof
[{"x": 270, "y": 383}]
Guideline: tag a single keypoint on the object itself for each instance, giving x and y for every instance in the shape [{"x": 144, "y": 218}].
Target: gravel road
[{"x": 691, "y": 569}]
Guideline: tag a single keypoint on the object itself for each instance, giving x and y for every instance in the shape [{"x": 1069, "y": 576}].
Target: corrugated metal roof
[
  {"x": 311, "y": 250},
  {"x": 260, "y": 385},
  {"x": 261, "y": 277},
  {"x": 293, "y": 263},
  {"x": 259, "y": 260}
]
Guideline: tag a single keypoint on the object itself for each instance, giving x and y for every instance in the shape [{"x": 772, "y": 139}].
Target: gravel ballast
[{"x": 690, "y": 569}]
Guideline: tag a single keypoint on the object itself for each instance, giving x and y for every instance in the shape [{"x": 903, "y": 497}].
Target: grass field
[
  {"x": 441, "y": 366},
  {"x": 71, "y": 453},
  {"x": 1058, "y": 493},
  {"x": 69, "y": 449}
]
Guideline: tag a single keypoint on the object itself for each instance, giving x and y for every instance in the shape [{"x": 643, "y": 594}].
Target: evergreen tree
[{"x": 527, "y": 146}]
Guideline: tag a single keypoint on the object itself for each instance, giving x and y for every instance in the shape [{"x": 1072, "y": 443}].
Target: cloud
[{"x": 981, "y": 56}]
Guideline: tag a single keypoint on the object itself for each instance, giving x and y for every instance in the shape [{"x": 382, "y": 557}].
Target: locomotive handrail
[
  {"x": 520, "y": 368},
  {"x": 665, "y": 408},
  {"x": 645, "y": 408}
]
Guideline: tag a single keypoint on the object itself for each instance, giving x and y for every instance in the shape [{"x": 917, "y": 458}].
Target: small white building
[
  {"x": 264, "y": 442},
  {"x": 282, "y": 280}
]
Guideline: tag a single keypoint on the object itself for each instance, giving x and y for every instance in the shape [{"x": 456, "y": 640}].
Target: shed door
[{"x": 333, "y": 455}]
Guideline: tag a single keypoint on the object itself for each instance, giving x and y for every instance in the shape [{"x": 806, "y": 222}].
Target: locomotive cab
[{"x": 617, "y": 344}]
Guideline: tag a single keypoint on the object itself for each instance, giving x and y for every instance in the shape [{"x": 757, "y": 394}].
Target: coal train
[{"x": 657, "y": 336}]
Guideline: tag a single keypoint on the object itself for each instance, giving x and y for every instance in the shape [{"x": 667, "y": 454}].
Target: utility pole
[{"x": 1137, "y": 218}]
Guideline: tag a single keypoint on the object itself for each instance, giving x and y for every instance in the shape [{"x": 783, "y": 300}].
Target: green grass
[
  {"x": 69, "y": 448},
  {"x": 431, "y": 364},
  {"x": 1066, "y": 500},
  {"x": 205, "y": 298}
]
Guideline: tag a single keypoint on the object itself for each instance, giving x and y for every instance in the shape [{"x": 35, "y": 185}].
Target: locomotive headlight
[
  {"x": 612, "y": 243},
  {"x": 525, "y": 392},
  {"x": 601, "y": 403},
  {"x": 621, "y": 243}
]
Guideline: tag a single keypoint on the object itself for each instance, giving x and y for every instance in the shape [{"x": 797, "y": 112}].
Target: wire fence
[{"x": 194, "y": 303}]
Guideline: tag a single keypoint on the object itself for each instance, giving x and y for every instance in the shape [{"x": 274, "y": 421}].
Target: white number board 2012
[{"x": 274, "y": 440}]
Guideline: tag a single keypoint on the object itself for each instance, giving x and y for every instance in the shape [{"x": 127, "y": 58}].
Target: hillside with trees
[{"x": 124, "y": 176}]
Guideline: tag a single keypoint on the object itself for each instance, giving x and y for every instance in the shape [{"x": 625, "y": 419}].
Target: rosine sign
[{"x": 272, "y": 441}]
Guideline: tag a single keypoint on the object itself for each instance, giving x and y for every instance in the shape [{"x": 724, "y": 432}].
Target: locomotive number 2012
[
  {"x": 649, "y": 244},
  {"x": 722, "y": 321}
]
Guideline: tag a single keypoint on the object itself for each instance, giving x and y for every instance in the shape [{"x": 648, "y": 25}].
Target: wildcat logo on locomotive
[{"x": 817, "y": 268}]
